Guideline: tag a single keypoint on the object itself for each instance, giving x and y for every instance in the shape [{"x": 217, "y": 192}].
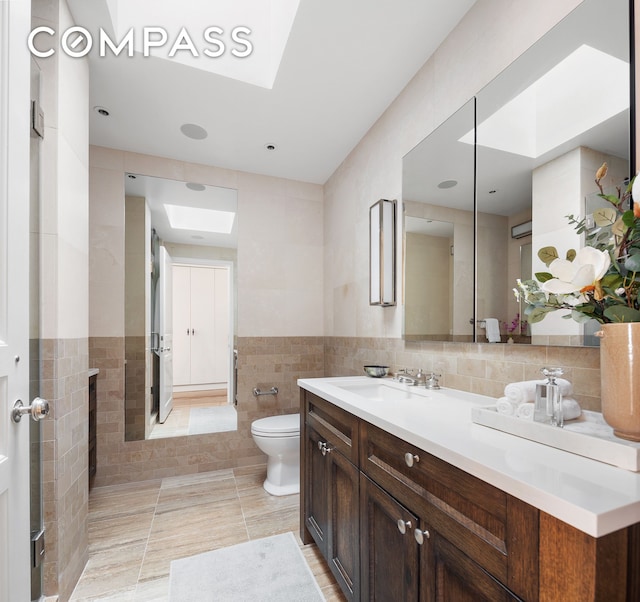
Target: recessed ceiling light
[
  {"x": 448, "y": 184},
  {"x": 191, "y": 130},
  {"x": 101, "y": 111},
  {"x": 195, "y": 186},
  {"x": 270, "y": 147}
]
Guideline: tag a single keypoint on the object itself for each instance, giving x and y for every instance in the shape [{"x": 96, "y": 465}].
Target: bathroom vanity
[{"x": 407, "y": 499}]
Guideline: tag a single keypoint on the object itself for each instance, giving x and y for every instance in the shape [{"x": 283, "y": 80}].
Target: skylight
[
  {"x": 200, "y": 220},
  {"x": 261, "y": 27},
  {"x": 583, "y": 90}
]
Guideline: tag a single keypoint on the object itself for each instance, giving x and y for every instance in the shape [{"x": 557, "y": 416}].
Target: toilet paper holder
[{"x": 272, "y": 391}]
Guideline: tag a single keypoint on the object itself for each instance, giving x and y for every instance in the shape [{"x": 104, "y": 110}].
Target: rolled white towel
[
  {"x": 570, "y": 409},
  {"x": 525, "y": 390},
  {"x": 505, "y": 407},
  {"x": 525, "y": 410}
]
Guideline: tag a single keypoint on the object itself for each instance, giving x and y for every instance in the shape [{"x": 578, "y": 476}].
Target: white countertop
[
  {"x": 93, "y": 372},
  {"x": 592, "y": 496}
]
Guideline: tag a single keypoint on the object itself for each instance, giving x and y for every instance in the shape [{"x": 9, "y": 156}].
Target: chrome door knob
[
  {"x": 410, "y": 458},
  {"x": 38, "y": 409},
  {"x": 420, "y": 536},
  {"x": 403, "y": 525}
]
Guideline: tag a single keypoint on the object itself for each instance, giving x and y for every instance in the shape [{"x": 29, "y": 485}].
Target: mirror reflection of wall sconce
[
  {"x": 521, "y": 230},
  {"x": 382, "y": 253}
]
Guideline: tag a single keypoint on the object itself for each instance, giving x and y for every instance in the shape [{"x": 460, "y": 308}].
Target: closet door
[
  {"x": 203, "y": 358},
  {"x": 181, "y": 325}
]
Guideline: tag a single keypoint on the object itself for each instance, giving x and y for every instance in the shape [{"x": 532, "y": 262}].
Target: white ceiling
[{"x": 344, "y": 63}]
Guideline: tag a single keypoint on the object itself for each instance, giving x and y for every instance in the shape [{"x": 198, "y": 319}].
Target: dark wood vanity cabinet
[
  {"x": 331, "y": 492},
  {"x": 468, "y": 538},
  {"x": 397, "y": 523}
]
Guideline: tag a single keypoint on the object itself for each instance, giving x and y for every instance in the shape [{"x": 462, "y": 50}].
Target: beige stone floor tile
[
  {"x": 106, "y": 502},
  {"x": 273, "y": 524},
  {"x": 110, "y": 571},
  {"x": 156, "y": 590},
  {"x": 178, "y": 498},
  {"x": 122, "y": 530},
  {"x": 193, "y": 479}
]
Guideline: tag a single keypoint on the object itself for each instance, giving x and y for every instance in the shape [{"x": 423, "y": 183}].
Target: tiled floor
[{"x": 136, "y": 530}]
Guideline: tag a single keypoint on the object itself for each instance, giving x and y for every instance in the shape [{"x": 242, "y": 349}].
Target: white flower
[{"x": 570, "y": 277}]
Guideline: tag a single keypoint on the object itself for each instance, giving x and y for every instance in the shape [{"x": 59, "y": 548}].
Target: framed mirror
[
  {"x": 180, "y": 307},
  {"x": 541, "y": 130}
]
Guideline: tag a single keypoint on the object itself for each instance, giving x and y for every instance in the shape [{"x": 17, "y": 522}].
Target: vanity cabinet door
[
  {"x": 316, "y": 509},
  {"x": 331, "y": 509},
  {"x": 448, "y": 575},
  {"x": 390, "y": 563}
]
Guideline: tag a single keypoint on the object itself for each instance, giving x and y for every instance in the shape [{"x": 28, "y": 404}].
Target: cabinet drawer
[
  {"x": 481, "y": 519},
  {"x": 338, "y": 428}
]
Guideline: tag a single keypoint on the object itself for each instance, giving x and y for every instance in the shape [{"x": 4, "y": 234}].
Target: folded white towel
[
  {"x": 524, "y": 391},
  {"x": 504, "y": 406},
  {"x": 525, "y": 410},
  {"x": 570, "y": 409},
  {"x": 492, "y": 327}
]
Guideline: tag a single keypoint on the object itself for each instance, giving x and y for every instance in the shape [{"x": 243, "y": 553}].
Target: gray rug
[
  {"x": 213, "y": 420},
  {"x": 269, "y": 569}
]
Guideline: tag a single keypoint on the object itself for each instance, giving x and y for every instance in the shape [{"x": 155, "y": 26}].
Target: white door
[
  {"x": 166, "y": 334},
  {"x": 203, "y": 368},
  {"x": 14, "y": 295}
]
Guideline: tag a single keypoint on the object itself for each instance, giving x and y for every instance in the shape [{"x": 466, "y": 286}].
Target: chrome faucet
[{"x": 403, "y": 376}]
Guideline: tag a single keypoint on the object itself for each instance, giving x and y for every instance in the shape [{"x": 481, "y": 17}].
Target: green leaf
[
  {"x": 628, "y": 218},
  {"x": 612, "y": 198},
  {"x": 619, "y": 228},
  {"x": 543, "y": 276},
  {"x": 579, "y": 316},
  {"x": 571, "y": 254},
  {"x": 632, "y": 263},
  {"x": 611, "y": 281},
  {"x": 547, "y": 255},
  {"x": 605, "y": 216},
  {"x": 537, "y": 314},
  {"x": 622, "y": 313}
]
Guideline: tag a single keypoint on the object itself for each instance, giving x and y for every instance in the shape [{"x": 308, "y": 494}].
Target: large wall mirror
[
  {"x": 180, "y": 307},
  {"x": 541, "y": 130}
]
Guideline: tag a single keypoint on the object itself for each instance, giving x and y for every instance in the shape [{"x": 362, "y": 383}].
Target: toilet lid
[{"x": 286, "y": 423}]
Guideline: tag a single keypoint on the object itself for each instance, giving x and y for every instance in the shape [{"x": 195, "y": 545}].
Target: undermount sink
[{"x": 386, "y": 390}]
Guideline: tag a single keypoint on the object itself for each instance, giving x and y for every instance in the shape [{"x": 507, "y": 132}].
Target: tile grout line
[
  {"x": 244, "y": 518},
  {"x": 146, "y": 545}
]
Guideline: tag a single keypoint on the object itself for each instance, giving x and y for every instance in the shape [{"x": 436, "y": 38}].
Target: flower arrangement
[{"x": 601, "y": 280}]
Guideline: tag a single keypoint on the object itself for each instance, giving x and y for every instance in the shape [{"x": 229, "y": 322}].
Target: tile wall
[
  {"x": 263, "y": 362},
  {"x": 475, "y": 367},
  {"x": 65, "y": 460}
]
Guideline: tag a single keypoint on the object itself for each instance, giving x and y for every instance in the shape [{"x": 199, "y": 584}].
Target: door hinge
[{"x": 37, "y": 548}]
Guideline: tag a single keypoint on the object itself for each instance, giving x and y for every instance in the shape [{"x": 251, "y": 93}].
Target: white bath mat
[
  {"x": 212, "y": 420},
  {"x": 272, "y": 569}
]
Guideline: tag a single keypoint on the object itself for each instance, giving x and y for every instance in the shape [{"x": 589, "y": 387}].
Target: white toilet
[{"x": 279, "y": 438}]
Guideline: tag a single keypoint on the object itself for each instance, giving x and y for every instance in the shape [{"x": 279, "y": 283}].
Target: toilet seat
[{"x": 285, "y": 425}]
